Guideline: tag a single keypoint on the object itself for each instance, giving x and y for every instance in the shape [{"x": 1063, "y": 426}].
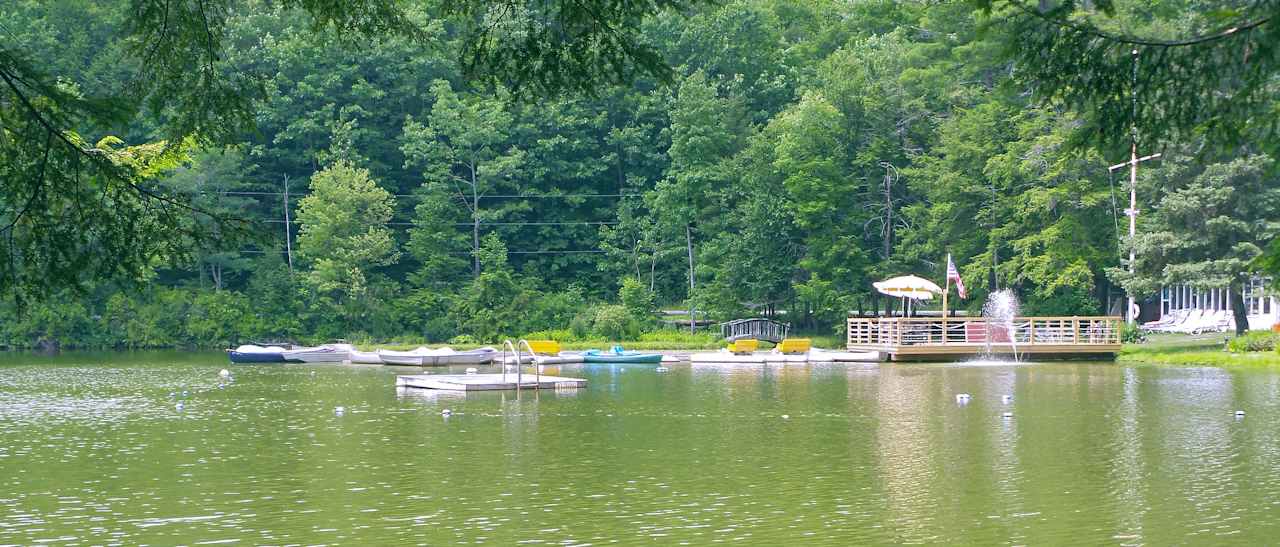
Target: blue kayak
[{"x": 620, "y": 356}]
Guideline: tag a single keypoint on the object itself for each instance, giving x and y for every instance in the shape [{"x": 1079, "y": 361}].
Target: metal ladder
[{"x": 515, "y": 350}]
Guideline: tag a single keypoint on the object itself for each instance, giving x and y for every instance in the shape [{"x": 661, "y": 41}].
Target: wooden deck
[
  {"x": 487, "y": 382},
  {"x": 938, "y": 338}
]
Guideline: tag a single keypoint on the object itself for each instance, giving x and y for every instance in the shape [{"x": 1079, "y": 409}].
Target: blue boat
[
  {"x": 256, "y": 354},
  {"x": 619, "y": 355}
]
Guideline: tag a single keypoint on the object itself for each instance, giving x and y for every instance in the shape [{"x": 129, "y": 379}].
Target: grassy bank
[{"x": 1174, "y": 349}]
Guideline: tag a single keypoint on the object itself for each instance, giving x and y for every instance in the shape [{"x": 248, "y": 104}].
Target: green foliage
[
  {"x": 802, "y": 151},
  {"x": 1131, "y": 334},
  {"x": 637, "y": 299},
  {"x": 1254, "y": 341},
  {"x": 344, "y": 237},
  {"x": 614, "y": 322},
  {"x": 218, "y": 318}
]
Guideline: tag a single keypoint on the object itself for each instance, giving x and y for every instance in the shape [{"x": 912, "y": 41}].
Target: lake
[{"x": 93, "y": 449}]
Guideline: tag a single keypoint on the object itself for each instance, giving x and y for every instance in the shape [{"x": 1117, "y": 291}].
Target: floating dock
[
  {"x": 487, "y": 382},
  {"x": 946, "y": 338},
  {"x": 765, "y": 357}
]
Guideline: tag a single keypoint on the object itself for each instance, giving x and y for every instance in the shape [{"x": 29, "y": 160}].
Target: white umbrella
[{"x": 908, "y": 286}]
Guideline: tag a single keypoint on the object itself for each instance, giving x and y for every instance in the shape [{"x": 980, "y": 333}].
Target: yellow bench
[
  {"x": 795, "y": 345},
  {"x": 544, "y": 347},
  {"x": 747, "y": 345}
]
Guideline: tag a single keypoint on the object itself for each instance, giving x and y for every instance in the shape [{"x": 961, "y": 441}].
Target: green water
[{"x": 93, "y": 450}]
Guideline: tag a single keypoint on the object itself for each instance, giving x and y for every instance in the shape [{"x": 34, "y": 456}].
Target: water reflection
[{"x": 94, "y": 452}]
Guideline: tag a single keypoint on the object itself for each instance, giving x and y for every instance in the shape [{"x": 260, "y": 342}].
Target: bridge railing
[
  {"x": 758, "y": 328},
  {"x": 1023, "y": 331}
]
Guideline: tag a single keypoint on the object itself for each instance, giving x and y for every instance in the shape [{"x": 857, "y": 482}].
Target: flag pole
[{"x": 947, "y": 290}]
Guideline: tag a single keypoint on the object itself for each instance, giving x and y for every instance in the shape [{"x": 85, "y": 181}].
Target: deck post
[{"x": 1076, "y": 326}]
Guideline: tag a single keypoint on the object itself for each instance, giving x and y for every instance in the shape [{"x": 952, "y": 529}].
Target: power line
[
  {"x": 531, "y": 223},
  {"x": 545, "y": 252},
  {"x": 502, "y": 196}
]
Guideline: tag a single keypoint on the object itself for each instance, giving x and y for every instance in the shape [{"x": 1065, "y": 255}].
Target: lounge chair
[
  {"x": 1190, "y": 319},
  {"x": 1173, "y": 318}
]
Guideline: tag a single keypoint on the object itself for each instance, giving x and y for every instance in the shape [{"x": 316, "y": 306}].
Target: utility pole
[
  {"x": 1130, "y": 313},
  {"x": 288, "y": 239}
]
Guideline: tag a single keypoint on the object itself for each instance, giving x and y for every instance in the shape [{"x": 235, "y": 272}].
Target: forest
[{"x": 798, "y": 151}]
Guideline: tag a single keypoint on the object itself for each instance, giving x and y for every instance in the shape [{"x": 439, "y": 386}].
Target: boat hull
[
  {"x": 624, "y": 358},
  {"x": 255, "y": 357},
  {"x": 366, "y": 358}
]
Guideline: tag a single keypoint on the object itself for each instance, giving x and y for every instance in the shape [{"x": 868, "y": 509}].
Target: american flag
[{"x": 954, "y": 275}]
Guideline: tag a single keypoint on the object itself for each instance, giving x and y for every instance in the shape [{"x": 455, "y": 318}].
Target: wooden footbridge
[
  {"x": 757, "y": 328},
  {"x": 945, "y": 338}
]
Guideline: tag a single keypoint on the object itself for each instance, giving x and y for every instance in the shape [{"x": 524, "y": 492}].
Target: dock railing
[{"x": 892, "y": 332}]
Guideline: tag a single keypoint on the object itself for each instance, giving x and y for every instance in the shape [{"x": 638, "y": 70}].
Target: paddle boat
[
  {"x": 619, "y": 355},
  {"x": 250, "y": 353}
]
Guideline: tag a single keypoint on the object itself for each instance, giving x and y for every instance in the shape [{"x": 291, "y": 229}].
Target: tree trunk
[
  {"x": 1236, "y": 293},
  {"x": 688, "y": 238}
]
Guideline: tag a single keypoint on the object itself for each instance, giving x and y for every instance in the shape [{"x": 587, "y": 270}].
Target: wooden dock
[
  {"x": 945, "y": 338},
  {"x": 487, "y": 382}
]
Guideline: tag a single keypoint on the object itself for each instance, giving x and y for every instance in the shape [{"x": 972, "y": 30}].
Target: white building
[{"x": 1260, "y": 301}]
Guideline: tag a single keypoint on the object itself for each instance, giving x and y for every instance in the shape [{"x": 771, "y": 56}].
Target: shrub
[
  {"x": 1254, "y": 341},
  {"x": 612, "y": 321},
  {"x": 1131, "y": 334},
  {"x": 637, "y": 299},
  {"x": 463, "y": 339}
]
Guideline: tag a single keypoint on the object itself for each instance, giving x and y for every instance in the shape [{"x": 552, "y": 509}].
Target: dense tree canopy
[{"x": 393, "y": 170}]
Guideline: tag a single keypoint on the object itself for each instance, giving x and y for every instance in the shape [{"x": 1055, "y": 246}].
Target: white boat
[
  {"x": 478, "y": 356},
  {"x": 562, "y": 358},
  {"x": 438, "y": 357},
  {"x": 328, "y": 353},
  {"x": 365, "y": 357},
  {"x": 417, "y": 357}
]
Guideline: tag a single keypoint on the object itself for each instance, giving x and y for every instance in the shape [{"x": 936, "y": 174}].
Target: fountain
[{"x": 1000, "y": 310}]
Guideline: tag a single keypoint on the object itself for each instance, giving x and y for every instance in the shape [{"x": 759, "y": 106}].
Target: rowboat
[
  {"x": 250, "y": 353},
  {"x": 365, "y": 357},
  {"x": 416, "y": 357},
  {"x": 618, "y": 355},
  {"x": 328, "y": 353},
  {"x": 423, "y": 356}
]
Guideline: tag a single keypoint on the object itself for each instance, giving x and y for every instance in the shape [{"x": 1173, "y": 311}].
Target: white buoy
[
  {"x": 446, "y": 412},
  {"x": 178, "y": 406},
  {"x": 184, "y": 393},
  {"x": 1006, "y": 399},
  {"x": 1007, "y": 415},
  {"x": 339, "y": 410},
  {"x": 962, "y": 398},
  {"x": 786, "y": 416},
  {"x": 1239, "y": 413},
  {"x": 173, "y": 394},
  {"x": 471, "y": 370},
  {"x": 224, "y": 373}
]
